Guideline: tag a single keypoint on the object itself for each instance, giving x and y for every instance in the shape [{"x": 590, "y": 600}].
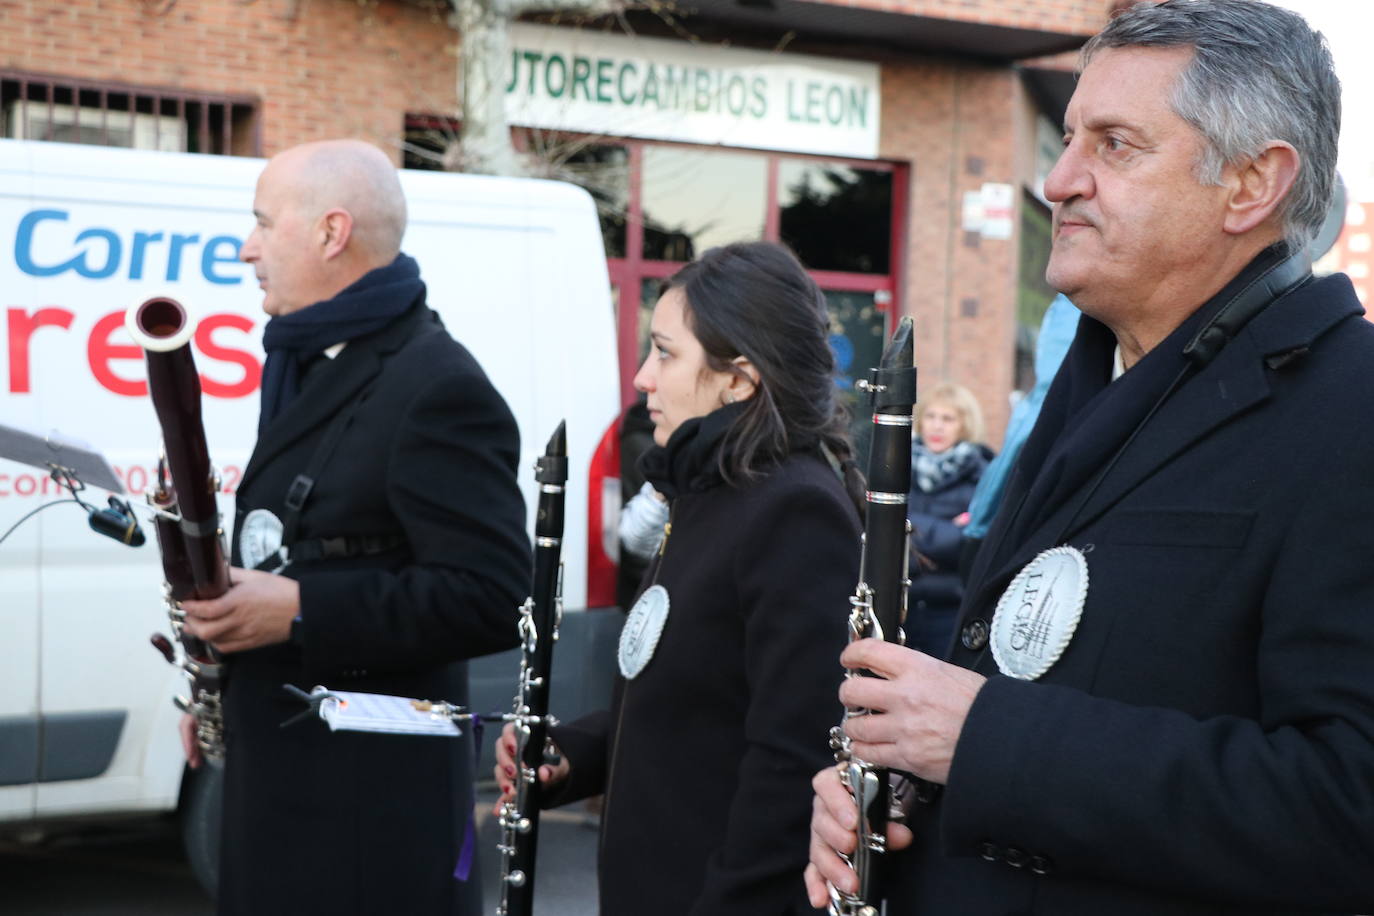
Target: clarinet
[
  {"x": 187, "y": 520},
  {"x": 878, "y": 605},
  {"x": 539, "y": 619}
]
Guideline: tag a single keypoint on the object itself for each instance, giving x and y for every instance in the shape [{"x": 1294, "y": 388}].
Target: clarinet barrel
[{"x": 885, "y": 562}]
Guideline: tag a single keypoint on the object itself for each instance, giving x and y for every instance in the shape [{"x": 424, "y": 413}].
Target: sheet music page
[
  {"x": 374, "y": 712},
  {"x": 41, "y": 449}
]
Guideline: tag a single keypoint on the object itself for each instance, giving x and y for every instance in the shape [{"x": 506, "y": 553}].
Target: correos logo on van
[
  {"x": 104, "y": 257},
  {"x": 51, "y": 245}
]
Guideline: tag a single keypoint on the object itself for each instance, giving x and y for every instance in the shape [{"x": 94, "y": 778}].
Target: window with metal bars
[
  {"x": 38, "y": 107},
  {"x": 427, "y": 139}
]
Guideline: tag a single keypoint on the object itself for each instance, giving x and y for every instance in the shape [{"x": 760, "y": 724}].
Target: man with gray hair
[
  {"x": 1160, "y": 697},
  {"x": 379, "y": 542}
]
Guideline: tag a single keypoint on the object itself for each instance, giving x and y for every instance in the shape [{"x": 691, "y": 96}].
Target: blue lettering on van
[
  {"x": 136, "y": 256},
  {"x": 174, "y": 259},
  {"x": 97, "y": 261},
  {"x": 112, "y": 253},
  {"x": 209, "y": 258},
  {"x": 23, "y": 244}
]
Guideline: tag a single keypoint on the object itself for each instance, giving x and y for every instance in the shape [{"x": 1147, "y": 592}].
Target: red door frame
[{"x": 627, "y": 273}]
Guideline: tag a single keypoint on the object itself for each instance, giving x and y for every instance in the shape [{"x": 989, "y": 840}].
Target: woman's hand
[
  {"x": 549, "y": 774},
  {"x": 190, "y": 744}
]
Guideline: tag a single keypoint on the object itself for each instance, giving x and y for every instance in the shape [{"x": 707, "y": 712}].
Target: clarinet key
[{"x": 164, "y": 645}]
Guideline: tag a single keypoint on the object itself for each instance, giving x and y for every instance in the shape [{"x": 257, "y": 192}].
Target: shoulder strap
[{"x": 299, "y": 492}]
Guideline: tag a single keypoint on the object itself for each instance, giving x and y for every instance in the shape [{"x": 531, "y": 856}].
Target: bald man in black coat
[{"x": 379, "y": 542}]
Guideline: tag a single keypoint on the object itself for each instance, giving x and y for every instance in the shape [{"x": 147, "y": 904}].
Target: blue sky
[{"x": 1349, "y": 29}]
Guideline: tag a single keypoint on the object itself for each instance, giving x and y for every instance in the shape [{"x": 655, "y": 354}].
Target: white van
[{"x": 515, "y": 267}]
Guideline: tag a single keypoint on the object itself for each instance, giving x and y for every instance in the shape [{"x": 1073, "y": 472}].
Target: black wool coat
[
  {"x": 706, "y": 757},
  {"x": 936, "y": 590},
  {"x": 1205, "y": 745},
  {"x": 352, "y": 823}
]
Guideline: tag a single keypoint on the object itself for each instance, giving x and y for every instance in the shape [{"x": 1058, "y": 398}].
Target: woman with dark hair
[{"x": 728, "y": 658}]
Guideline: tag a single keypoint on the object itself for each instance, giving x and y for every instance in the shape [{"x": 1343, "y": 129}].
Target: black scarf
[
  {"x": 372, "y": 302},
  {"x": 690, "y": 462},
  {"x": 1087, "y": 417}
]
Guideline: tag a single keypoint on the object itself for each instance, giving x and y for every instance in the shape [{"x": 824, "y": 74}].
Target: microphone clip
[{"x": 118, "y": 522}]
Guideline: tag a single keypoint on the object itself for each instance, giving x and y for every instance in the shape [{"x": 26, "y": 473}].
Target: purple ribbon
[{"x": 463, "y": 869}]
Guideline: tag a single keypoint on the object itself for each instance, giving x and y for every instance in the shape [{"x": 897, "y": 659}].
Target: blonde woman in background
[{"x": 947, "y": 459}]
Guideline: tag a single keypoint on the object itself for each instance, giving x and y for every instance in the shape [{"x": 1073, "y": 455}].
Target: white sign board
[
  {"x": 656, "y": 88},
  {"x": 989, "y": 210},
  {"x": 998, "y": 209}
]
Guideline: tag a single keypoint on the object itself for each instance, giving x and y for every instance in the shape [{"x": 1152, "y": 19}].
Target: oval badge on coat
[
  {"x": 259, "y": 538},
  {"x": 643, "y": 627},
  {"x": 1038, "y": 613}
]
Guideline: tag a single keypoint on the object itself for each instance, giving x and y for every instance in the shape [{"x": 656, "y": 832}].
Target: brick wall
[
  {"x": 1075, "y": 17},
  {"x": 954, "y": 122},
  {"x": 1353, "y": 252},
  {"x": 321, "y": 68}
]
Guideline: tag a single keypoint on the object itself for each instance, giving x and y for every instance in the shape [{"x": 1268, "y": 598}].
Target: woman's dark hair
[{"x": 754, "y": 299}]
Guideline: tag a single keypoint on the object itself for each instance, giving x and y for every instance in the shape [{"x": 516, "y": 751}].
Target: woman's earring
[{"x": 729, "y": 397}]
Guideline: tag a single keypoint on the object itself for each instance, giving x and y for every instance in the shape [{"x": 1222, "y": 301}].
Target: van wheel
[{"x": 202, "y": 796}]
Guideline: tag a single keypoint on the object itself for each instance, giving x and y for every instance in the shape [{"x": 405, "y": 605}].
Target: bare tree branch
[{"x": 485, "y": 28}]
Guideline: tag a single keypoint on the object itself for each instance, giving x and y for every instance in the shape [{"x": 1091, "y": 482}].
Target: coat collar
[
  {"x": 1232, "y": 384},
  {"x": 351, "y": 371}
]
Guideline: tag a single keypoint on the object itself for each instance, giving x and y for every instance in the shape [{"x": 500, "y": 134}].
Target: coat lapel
[
  {"x": 1233, "y": 383},
  {"x": 350, "y": 373}
]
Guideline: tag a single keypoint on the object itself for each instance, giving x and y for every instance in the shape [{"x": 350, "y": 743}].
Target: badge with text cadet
[
  {"x": 1038, "y": 613},
  {"x": 643, "y": 627}
]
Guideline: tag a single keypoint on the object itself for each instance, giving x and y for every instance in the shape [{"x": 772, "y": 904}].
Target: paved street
[
  {"x": 141, "y": 871},
  {"x": 565, "y": 879}
]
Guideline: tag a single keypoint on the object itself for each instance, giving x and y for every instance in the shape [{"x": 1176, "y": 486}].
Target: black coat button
[
  {"x": 1016, "y": 858},
  {"x": 1041, "y": 865},
  {"x": 974, "y": 635},
  {"x": 989, "y": 851}
]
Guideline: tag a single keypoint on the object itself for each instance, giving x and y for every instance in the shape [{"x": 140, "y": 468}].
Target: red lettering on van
[
  {"x": 252, "y": 369},
  {"x": 21, "y": 328},
  {"x": 100, "y": 351},
  {"x": 136, "y": 480}
]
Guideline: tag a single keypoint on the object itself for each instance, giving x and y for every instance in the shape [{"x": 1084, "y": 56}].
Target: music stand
[{"x": 63, "y": 457}]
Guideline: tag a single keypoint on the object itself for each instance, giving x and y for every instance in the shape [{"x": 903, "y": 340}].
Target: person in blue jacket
[{"x": 1057, "y": 329}]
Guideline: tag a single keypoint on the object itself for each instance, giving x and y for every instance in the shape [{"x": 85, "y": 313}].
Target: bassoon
[
  {"x": 187, "y": 518},
  {"x": 878, "y": 605},
  {"x": 539, "y": 619}
]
